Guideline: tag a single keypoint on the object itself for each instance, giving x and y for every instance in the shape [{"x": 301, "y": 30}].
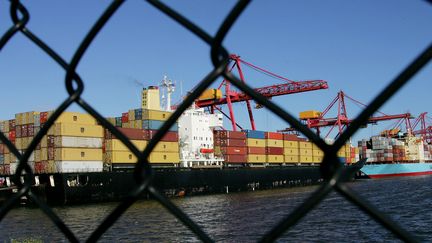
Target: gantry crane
[
  {"x": 425, "y": 130},
  {"x": 214, "y": 98},
  {"x": 317, "y": 120}
]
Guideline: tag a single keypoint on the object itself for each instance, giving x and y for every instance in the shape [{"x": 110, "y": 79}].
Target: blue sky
[{"x": 357, "y": 46}]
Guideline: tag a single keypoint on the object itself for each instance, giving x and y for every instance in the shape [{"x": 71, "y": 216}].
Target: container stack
[
  {"x": 414, "y": 149},
  {"x": 428, "y": 152},
  {"x": 305, "y": 152},
  {"x": 317, "y": 154},
  {"x": 231, "y": 145},
  {"x": 116, "y": 154},
  {"x": 256, "y": 147},
  {"x": 274, "y": 147},
  {"x": 24, "y": 132},
  {"x": 291, "y": 149},
  {"x": 4, "y": 151},
  {"x": 75, "y": 142}
]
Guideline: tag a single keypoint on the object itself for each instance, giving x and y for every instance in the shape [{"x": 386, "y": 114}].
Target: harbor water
[{"x": 243, "y": 216}]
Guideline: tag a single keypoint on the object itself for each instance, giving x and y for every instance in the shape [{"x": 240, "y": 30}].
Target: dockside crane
[
  {"x": 318, "y": 120},
  {"x": 425, "y": 131},
  {"x": 214, "y": 98}
]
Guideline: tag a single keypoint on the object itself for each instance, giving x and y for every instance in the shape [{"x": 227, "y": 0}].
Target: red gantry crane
[
  {"x": 425, "y": 131},
  {"x": 317, "y": 120},
  {"x": 213, "y": 98}
]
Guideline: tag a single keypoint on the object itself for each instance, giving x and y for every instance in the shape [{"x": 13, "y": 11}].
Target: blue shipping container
[
  {"x": 155, "y": 125},
  {"x": 254, "y": 134},
  {"x": 138, "y": 114},
  {"x": 118, "y": 122}
]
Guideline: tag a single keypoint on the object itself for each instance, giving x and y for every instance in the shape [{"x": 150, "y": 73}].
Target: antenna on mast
[{"x": 167, "y": 87}]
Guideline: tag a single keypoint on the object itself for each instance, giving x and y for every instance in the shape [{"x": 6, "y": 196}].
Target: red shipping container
[
  {"x": 256, "y": 150},
  {"x": 274, "y": 150},
  {"x": 50, "y": 142},
  {"x": 2, "y": 148},
  {"x": 232, "y": 142},
  {"x": 274, "y": 135},
  {"x": 18, "y": 131},
  {"x": 11, "y": 124},
  {"x": 292, "y": 137},
  {"x": 24, "y": 130},
  {"x": 51, "y": 153},
  {"x": 37, "y": 167},
  {"x": 233, "y": 150},
  {"x": 12, "y": 135},
  {"x": 125, "y": 117},
  {"x": 43, "y": 117},
  {"x": 170, "y": 136},
  {"x": 7, "y": 169},
  {"x": 229, "y": 134},
  {"x": 235, "y": 158},
  {"x": 130, "y": 133},
  {"x": 44, "y": 166}
]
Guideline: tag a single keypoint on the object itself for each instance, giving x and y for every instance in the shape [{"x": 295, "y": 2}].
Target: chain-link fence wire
[{"x": 331, "y": 168}]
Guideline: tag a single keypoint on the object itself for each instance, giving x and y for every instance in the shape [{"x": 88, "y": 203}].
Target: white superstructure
[{"x": 196, "y": 138}]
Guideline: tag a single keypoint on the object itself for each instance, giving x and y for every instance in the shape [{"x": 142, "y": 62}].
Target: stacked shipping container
[
  {"x": 231, "y": 145},
  {"x": 256, "y": 146},
  {"x": 274, "y": 147}
]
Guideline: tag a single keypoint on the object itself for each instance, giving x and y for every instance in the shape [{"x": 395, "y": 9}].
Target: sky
[{"x": 356, "y": 46}]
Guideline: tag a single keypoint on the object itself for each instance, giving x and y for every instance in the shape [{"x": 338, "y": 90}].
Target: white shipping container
[
  {"x": 77, "y": 142},
  {"x": 78, "y": 166}
]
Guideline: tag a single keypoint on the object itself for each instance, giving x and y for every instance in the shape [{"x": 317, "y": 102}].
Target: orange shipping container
[{"x": 274, "y": 135}]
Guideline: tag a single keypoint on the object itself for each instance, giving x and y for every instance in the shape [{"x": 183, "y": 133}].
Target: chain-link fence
[{"x": 331, "y": 168}]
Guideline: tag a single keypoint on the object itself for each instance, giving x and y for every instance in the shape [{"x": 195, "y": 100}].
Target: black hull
[{"x": 90, "y": 187}]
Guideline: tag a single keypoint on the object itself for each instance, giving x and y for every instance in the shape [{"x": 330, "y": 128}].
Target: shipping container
[
  {"x": 156, "y": 125},
  {"x": 210, "y": 94},
  {"x": 305, "y": 145},
  {"x": 125, "y": 117},
  {"x": 76, "y": 118},
  {"x": 291, "y": 151},
  {"x": 158, "y": 158},
  {"x": 273, "y": 135},
  {"x": 168, "y": 137},
  {"x": 230, "y": 150},
  {"x": 117, "y": 145},
  {"x": 305, "y": 152},
  {"x": 256, "y": 158},
  {"x": 155, "y": 115},
  {"x": 77, "y": 142},
  {"x": 131, "y": 115},
  {"x": 309, "y": 114},
  {"x": 81, "y": 154},
  {"x": 130, "y": 133},
  {"x": 291, "y": 144},
  {"x": 224, "y": 134},
  {"x": 119, "y": 157},
  {"x": 254, "y": 134},
  {"x": 78, "y": 166},
  {"x": 291, "y": 159},
  {"x": 78, "y": 130},
  {"x": 235, "y": 158},
  {"x": 292, "y": 137},
  {"x": 305, "y": 159},
  {"x": 317, "y": 159},
  {"x": 275, "y": 150},
  {"x": 230, "y": 142},
  {"x": 256, "y": 150},
  {"x": 166, "y": 147},
  {"x": 253, "y": 142},
  {"x": 274, "y": 158},
  {"x": 274, "y": 143}
]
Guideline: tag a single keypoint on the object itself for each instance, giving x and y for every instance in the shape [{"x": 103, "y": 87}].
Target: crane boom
[{"x": 268, "y": 91}]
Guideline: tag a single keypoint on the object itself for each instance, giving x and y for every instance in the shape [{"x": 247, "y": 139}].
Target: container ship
[
  {"x": 390, "y": 157},
  {"x": 80, "y": 161}
]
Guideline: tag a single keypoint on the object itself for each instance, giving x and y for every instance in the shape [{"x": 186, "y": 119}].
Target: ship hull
[
  {"x": 376, "y": 171},
  {"x": 77, "y": 188}
]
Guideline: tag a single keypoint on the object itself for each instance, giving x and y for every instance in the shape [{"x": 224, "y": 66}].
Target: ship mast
[{"x": 167, "y": 87}]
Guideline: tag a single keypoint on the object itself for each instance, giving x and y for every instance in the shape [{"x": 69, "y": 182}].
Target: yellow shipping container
[
  {"x": 254, "y": 142},
  {"x": 341, "y": 154},
  {"x": 76, "y": 117},
  {"x": 305, "y": 152},
  {"x": 80, "y": 154},
  {"x": 7, "y": 159},
  {"x": 309, "y": 114},
  {"x": 317, "y": 152},
  {"x": 274, "y": 158},
  {"x": 210, "y": 94},
  {"x": 292, "y": 159},
  {"x": 112, "y": 120},
  {"x": 317, "y": 159},
  {"x": 274, "y": 143},
  {"x": 19, "y": 143},
  {"x": 119, "y": 157},
  {"x": 126, "y": 125},
  {"x": 305, "y": 145},
  {"x": 37, "y": 155},
  {"x": 157, "y": 158},
  {"x": 155, "y": 115},
  {"x": 19, "y": 118},
  {"x": 131, "y": 115},
  {"x": 256, "y": 158},
  {"x": 78, "y": 130},
  {"x": 291, "y": 151},
  {"x": 43, "y": 154},
  {"x": 291, "y": 144},
  {"x": 306, "y": 159},
  {"x": 51, "y": 166},
  {"x": 117, "y": 145},
  {"x": 167, "y": 147},
  {"x": 138, "y": 124},
  {"x": 44, "y": 141},
  {"x": 29, "y": 117}
]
